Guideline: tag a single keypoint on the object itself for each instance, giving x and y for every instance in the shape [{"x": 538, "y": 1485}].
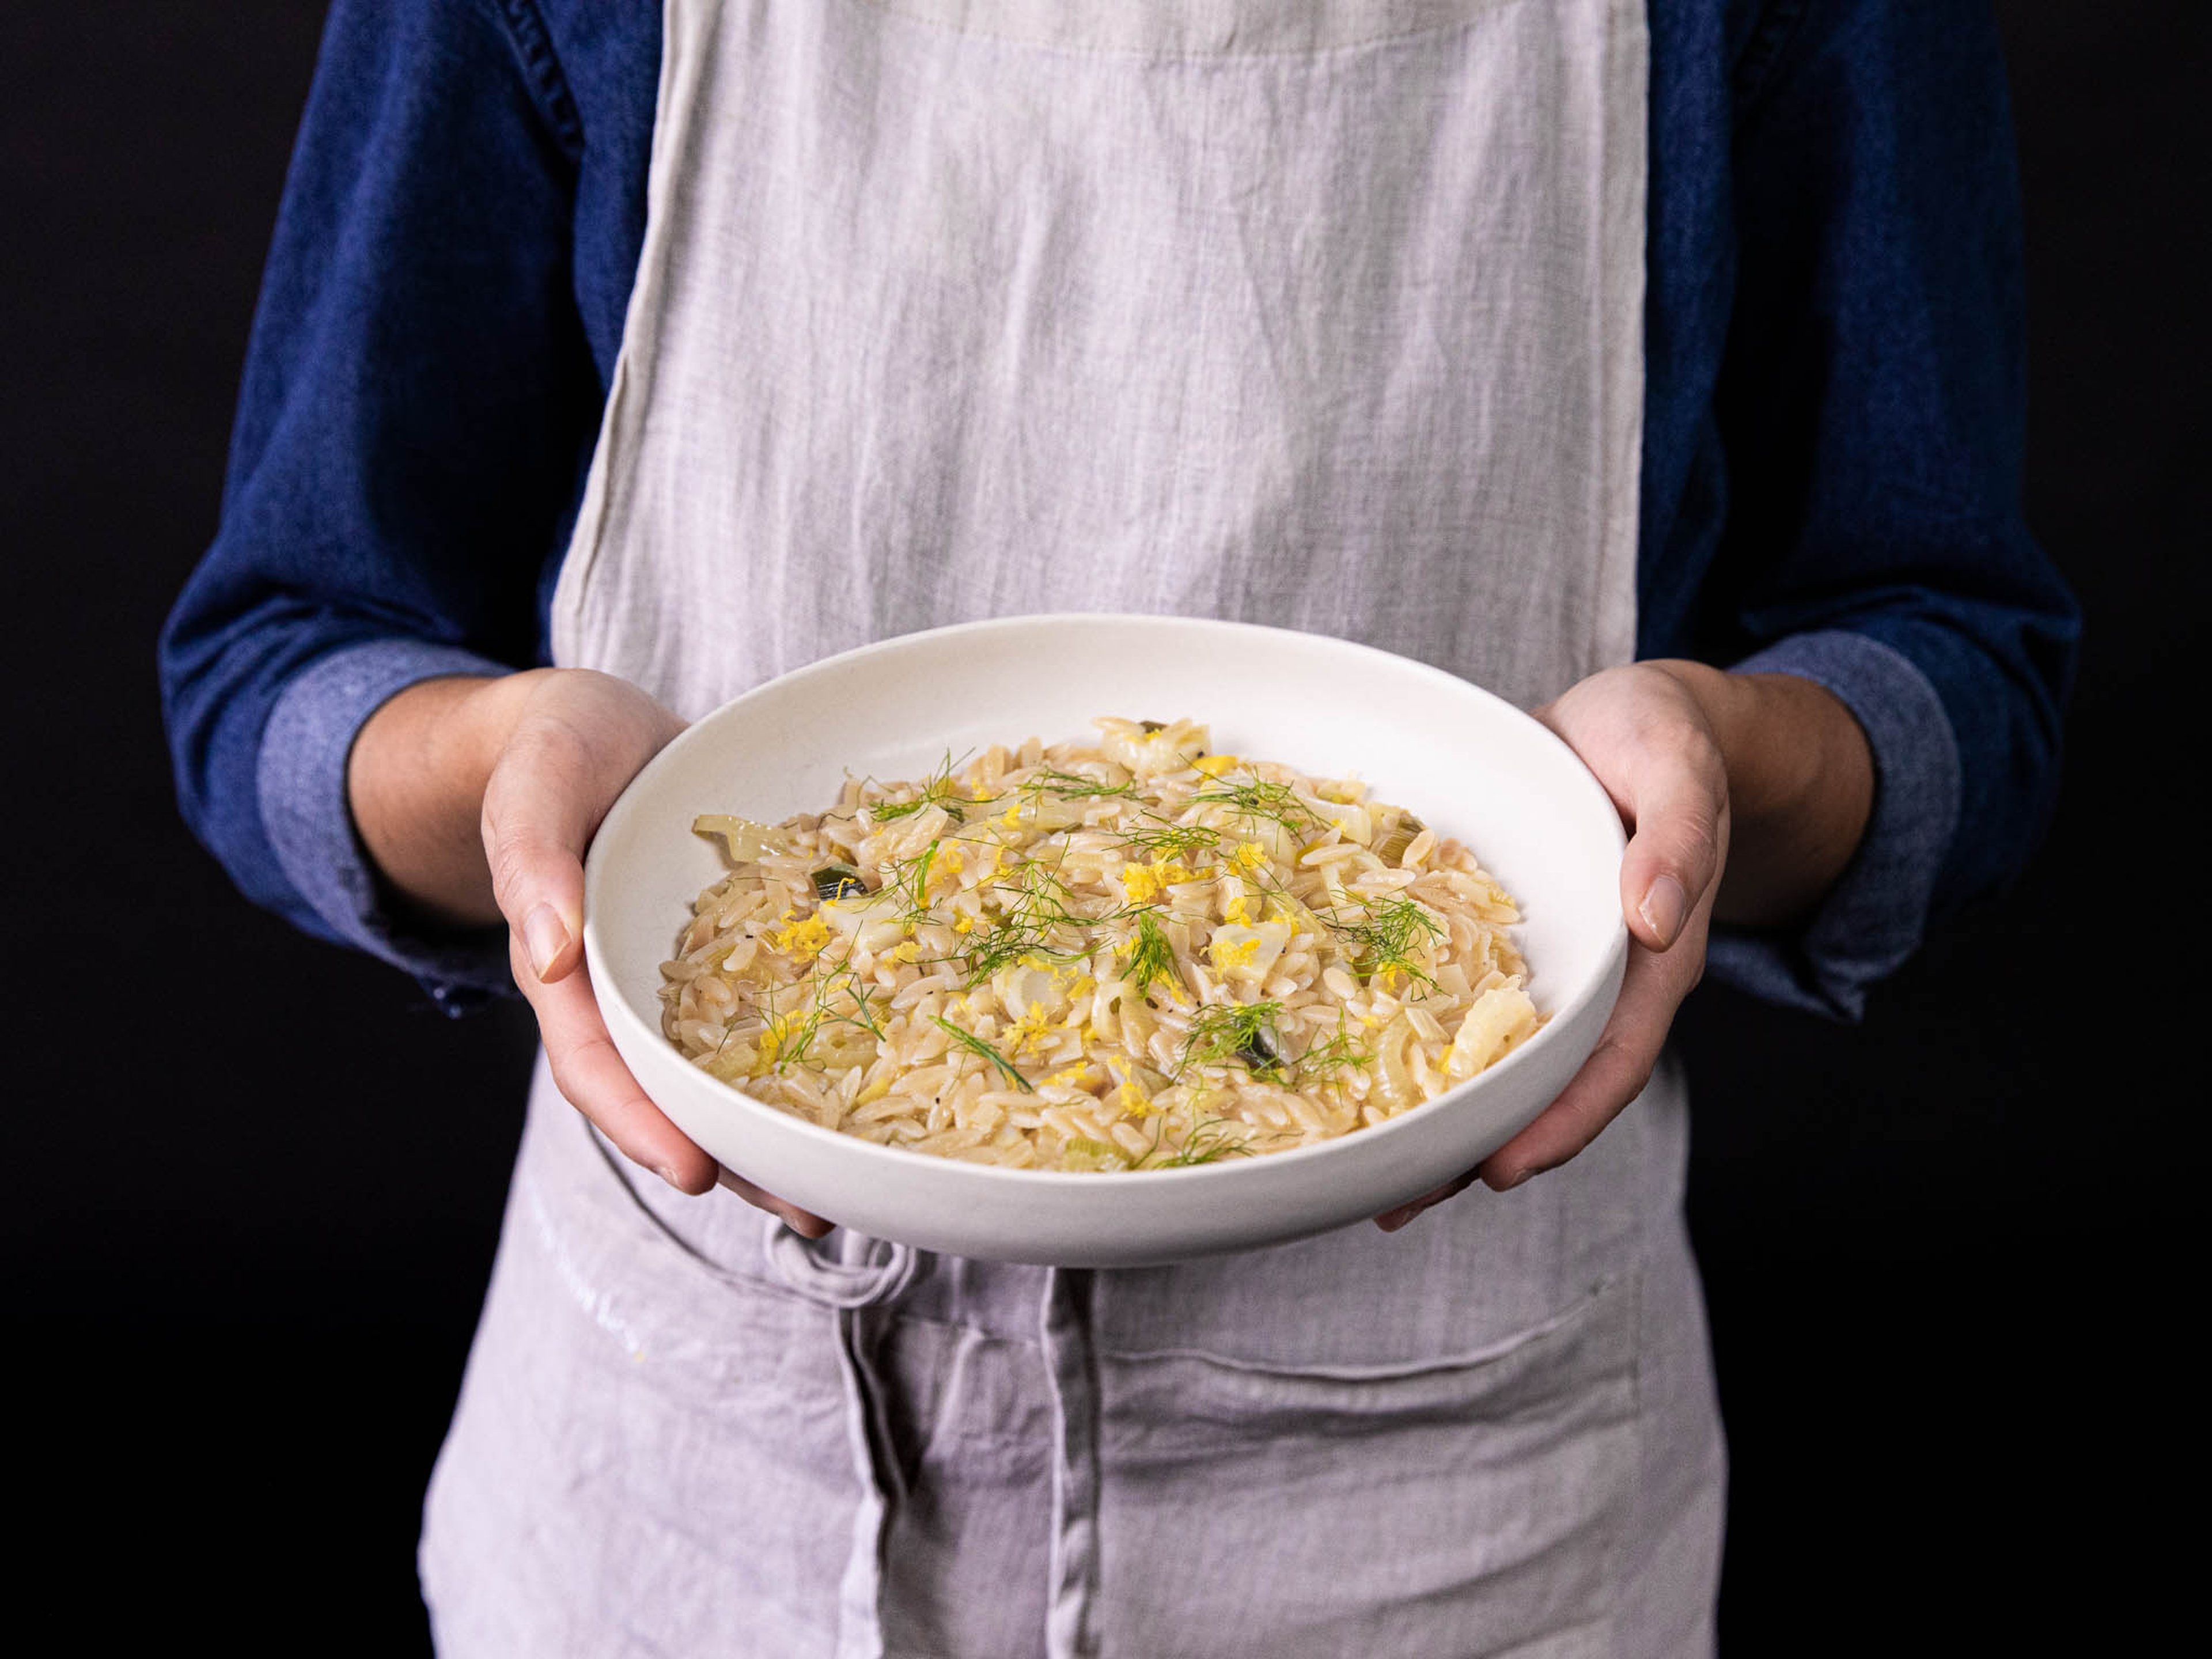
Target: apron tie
[
  {"x": 845, "y": 1270},
  {"x": 850, "y": 1273},
  {"x": 1072, "y": 1370}
]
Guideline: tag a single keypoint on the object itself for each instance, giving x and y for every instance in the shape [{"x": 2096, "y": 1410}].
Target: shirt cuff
[
  {"x": 1874, "y": 918},
  {"x": 301, "y": 783}
]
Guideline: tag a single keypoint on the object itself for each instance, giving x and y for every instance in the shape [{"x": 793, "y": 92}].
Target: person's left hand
[{"x": 1648, "y": 740}]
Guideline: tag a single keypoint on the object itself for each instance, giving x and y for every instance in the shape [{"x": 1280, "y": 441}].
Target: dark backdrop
[{"x": 1943, "y": 1250}]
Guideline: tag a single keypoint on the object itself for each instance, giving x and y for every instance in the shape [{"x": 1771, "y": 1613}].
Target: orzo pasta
[{"x": 1131, "y": 954}]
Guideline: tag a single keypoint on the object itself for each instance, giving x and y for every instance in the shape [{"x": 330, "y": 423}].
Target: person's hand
[
  {"x": 545, "y": 753},
  {"x": 1648, "y": 740},
  {"x": 1693, "y": 758}
]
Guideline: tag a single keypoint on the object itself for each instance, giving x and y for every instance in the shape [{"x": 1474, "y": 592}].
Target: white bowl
[{"x": 1467, "y": 763}]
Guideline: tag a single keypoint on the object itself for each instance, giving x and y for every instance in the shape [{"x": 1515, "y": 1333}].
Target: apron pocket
[{"x": 1464, "y": 1507}]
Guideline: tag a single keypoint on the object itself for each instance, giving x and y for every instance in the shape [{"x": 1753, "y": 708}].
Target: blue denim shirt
[{"x": 1832, "y": 445}]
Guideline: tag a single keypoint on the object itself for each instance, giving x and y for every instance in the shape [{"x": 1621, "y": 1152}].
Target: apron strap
[
  {"x": 860, "y": 1590},
  {"x": 850, "y": 1275},
  {"x": 1070, "y": 1367}
]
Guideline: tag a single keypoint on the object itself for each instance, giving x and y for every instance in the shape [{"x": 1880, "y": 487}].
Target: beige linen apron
[{"x": 1322, "y": 314}]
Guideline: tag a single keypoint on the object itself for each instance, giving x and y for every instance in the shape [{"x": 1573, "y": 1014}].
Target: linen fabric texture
[{"x": 684, "y": 1429}]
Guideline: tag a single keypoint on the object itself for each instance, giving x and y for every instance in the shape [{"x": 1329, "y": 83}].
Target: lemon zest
[
  {"x": 801, "y": 938},
  {"x": 1238, "y": 953},
  {"x": 1132, "y": 1102},
  {"x": 1029, "y": 1030}
]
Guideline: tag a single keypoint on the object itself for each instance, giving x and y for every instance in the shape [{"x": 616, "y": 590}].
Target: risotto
[{"x": 1135, "y": 954}]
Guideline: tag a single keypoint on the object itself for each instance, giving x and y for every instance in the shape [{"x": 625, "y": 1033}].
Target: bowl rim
[{"x": 1605, "y": 974}]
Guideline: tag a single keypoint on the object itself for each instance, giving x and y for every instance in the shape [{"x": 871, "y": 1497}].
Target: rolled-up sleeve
[
  {"x": 300, "y": 783},
  {"x": 1871, "y": 920},
  {"x": 1871, "y": 407},
  {"x": 418, "y": 403}
]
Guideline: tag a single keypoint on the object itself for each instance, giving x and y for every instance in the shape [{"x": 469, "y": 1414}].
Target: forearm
[
  {"x": 1800, "y": 784},
  {"x": 416, "y": 781}
]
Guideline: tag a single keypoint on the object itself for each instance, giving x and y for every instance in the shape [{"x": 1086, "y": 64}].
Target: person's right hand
[{"x": 544, "y": 754}]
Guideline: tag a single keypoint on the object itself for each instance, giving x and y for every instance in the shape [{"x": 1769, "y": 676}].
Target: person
[{"x": 1662, "y": 373}]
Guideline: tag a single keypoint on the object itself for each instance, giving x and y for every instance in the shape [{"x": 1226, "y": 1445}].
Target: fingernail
[
  {"x": 669, "y": 1176},
  {"x": 544, "y": 935},
  {"x": 1509, "y": 1186},
  {"x": 1664, "y": 906}
]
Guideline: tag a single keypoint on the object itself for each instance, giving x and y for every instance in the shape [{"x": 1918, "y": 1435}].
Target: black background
[{"x": 1945, "y": 1252}]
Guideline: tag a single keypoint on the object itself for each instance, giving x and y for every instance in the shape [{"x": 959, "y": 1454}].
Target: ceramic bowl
[{"x": 1469, "y": 763}]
